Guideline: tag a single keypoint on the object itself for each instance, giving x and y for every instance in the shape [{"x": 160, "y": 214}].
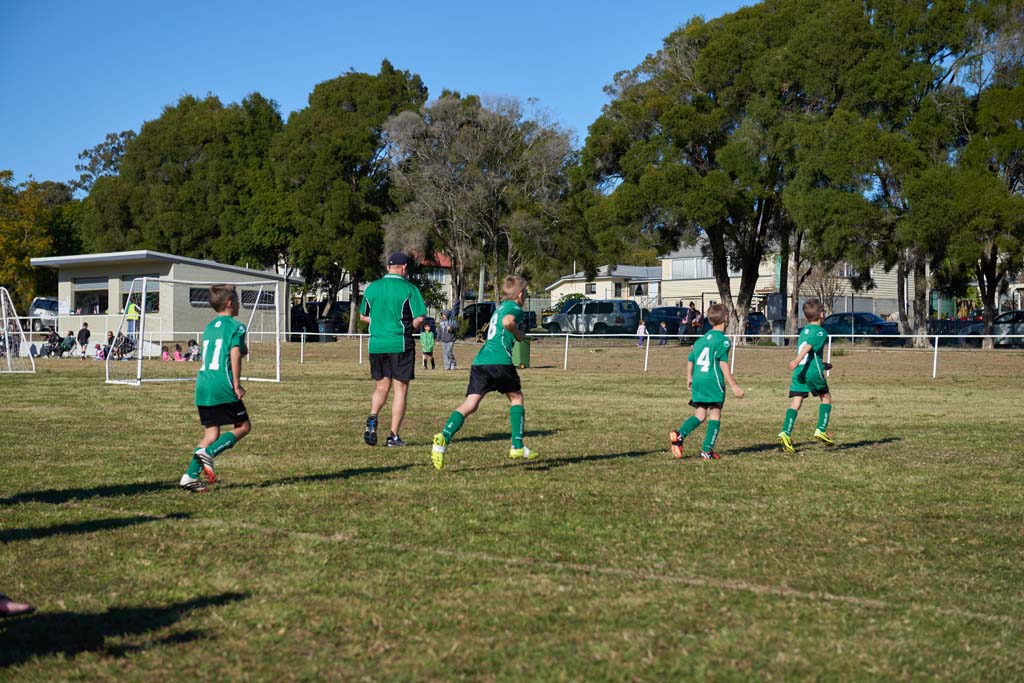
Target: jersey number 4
[
  {"x": 215, "y": 358},
  {"x": 704, "y": 359}
]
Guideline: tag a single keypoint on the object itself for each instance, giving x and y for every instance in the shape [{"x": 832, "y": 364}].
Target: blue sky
[{"x": 70, "y": 72}]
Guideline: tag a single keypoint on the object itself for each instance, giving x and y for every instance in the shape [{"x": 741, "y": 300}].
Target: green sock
[
  {"x": 517, "y": 418},
  {"x": 453, "y": 425},
  {"x": 194, "y": 467},
  {"x": 787, "y": 426},
  {"x": 824, "y": 410},
  {"x": 711, "y": 436},
  {"x": 688, "y": 426},
  {"x": 224, "y": 441}
]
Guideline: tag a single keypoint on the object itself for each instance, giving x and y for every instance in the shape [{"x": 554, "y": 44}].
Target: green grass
[{"x": 896, "y": 556}]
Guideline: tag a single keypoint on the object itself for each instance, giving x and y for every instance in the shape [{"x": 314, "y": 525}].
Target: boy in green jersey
[
  {"x": 427, "y": 345},
  {"x": 492, "y": 370},
  {"x": 710, "y": 357},
  {"x": 809, "y": 377},
  {"x": 218, "y": 388}
]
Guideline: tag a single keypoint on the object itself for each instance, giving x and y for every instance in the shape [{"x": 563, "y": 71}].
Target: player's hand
[
  {"x": 792, "y": 365},
  {"x": 689, "y": 384},
  {"x": 239, "y": 392},
  {"x": 827, "y": 366},
  {"x": 737, "y": 391}
]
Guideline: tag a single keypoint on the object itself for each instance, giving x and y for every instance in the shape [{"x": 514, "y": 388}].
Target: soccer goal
[
  {"x": 15, "y": 351},
  {"x": 159, "y": 336}
]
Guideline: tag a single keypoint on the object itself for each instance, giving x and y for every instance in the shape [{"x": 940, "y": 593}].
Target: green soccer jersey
[
  {"x": 392, "y": 303},
  {"x": 708, "y": 380},
  {"x": 214, "y": 383},
  {"x": 427, "y": 342},
  {"x": 810, "y": 374},
  {"x": 497, "y": 349}
]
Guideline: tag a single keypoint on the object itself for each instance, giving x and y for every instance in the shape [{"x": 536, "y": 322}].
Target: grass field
[{"x": 898, "y": 555}]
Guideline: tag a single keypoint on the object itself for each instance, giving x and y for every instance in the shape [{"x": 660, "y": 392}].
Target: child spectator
[
  {"x": 100, "y": 355},
  {"x": 165, "y": 354},
  {"x": 177, "y": 353},
  {"x": 193, "y": 350},
  {"x": 663, "y": 334},
  {"x": 641, "y": 332},
  {"x": 83, "y": 339},
  {"x": 427, "y": 346}
]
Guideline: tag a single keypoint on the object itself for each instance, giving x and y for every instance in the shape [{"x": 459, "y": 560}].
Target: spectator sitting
[
  {"x": 177, "y": 353},
  {"x": 67, "y": 345},
  {"x": 165, "y": 354},
  {"x": 52, "y": 345},
  {"x": 100, "y": 354},
  {"x": 109, "y": 344},
  {"x": 193, "y": 350}
]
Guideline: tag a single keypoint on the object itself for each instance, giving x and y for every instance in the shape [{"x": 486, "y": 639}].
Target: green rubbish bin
[{"x": 521, "y": 354}]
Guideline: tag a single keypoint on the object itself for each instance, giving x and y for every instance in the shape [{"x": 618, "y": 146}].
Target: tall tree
[
  {"x": 101, "y": 160},
  {"x": 23, "y": 235},
  {"x": 330, "y": 160},
  {"x": 481, "y": 182}
]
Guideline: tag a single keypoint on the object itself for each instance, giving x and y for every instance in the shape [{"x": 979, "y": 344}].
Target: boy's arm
[
  {"x": 805, "y": 348},
  {"x": 236, "y": 371},
  {"x": 727, "y": 374},
  {"x": 689, "y": 374},
  {"x": 509, "y": 323}
]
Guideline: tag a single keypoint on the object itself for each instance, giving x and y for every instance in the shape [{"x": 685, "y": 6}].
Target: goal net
[
  {"x": 159, "y": 337},
  {"x": 15, "y": 351}
]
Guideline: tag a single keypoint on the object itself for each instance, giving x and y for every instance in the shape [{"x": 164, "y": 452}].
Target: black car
[
  {"x": 479, "y": 314},
  {"x": 757, "y": 324},
  {"x": 852, "y": 325},
  {"x": 672, "y": 316}
]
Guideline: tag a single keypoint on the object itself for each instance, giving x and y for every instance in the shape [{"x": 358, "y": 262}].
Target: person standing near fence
[
  {"x": 446, "y": 337},
  {"x": 131, "y": 314},
  {"x": 394, "y": 309},
  {"x": 83, "y": 339},
  {"x": 641, "y": 332}
]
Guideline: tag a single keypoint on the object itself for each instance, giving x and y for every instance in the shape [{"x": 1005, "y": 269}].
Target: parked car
[
  {"x": 852, "y": 325},
  {"x": 757, "y": 323},
  {"x": 670, "y": 315},
  {"x": 600, "y": 316},
  {"x": 479, "y": 314},
  {"x": 1007, "y": 327},
  {"x": 43, "y": 311}
]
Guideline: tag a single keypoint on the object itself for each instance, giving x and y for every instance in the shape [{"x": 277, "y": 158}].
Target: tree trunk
[
  {"x": 795, "y": 281},
  {"x": 720, "y": 266},
  {"x": 901, "y": 290},
  {"x": 920, "y": 302},
  {"x": 987, "y": 272},
  {"x": 353, "y": 305}
]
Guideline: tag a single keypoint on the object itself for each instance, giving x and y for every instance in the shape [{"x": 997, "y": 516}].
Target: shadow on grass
[
  {"x": 544, "y": 465},
  {"x": 766, "y": 447},
  {"x": 58, "y": 496},
  {"x": 328, "y": 476},
  {"x": 504, "y": 436},
  {"x": 71, "y": 633},
  {"x": 9, "y": 535}
]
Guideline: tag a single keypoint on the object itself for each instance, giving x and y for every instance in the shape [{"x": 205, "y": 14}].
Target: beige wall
[{"x": 690, "y": 290}]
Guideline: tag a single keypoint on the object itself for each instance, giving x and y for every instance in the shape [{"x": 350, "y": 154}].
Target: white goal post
[
  {"x": 162, "y": 321},
  {"x": 15, "y": 351}
]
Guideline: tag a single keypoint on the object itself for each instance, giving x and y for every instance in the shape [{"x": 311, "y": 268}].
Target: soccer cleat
[
  {"x": 787, "y": 443},
  {"x": 676, "y": 442},
  {"x": 524, "y": 453},
  {"x": 192, "y": 485},
  {"x": 438, "y": 451},
  {"x": 370, "y": 435},
  {"x": 824, "y": 437},
  {"x": 206, "y": 460},
  {"x": 395, "y": 441},
  {"x": 705, "y": 455}
]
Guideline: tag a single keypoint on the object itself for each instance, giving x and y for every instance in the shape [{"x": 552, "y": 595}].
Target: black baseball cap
[{"x": 398, "y": 259}]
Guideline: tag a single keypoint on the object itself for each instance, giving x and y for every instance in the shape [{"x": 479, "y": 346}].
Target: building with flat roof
[{"x": 94, "y": 289}]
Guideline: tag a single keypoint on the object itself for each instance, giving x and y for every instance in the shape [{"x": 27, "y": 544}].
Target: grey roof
[
  {"x": 141, "y": 255},
  {"x": 630, "y": 273},
  {"x": 685, "y": 251}
]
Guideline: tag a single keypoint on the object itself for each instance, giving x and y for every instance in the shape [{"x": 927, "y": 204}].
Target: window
[
  {"x": 618, "y": 289},
  {"x": 199, "y": 297},
  {"x": 576, "y": 309},
  {"x": 591, "y": 288},
  {"x": 266, "y": 299},
  {"x": 152, "y": 301},
  {"x": 91, "y": 303}
]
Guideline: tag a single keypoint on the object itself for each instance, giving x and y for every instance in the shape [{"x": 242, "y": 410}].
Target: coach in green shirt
[{"x": 394, "y": 309}]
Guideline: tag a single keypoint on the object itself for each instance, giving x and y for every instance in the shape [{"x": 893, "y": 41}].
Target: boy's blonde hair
[
  {"x": 718, "y": 314},
  {"x": 813, "y": 309},
  {"x": 221, "y": 296},
  {"x": 512, "y": 285}
]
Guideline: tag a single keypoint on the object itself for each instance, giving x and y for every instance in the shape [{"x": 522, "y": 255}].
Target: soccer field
[{"x": 898, "y": 554}]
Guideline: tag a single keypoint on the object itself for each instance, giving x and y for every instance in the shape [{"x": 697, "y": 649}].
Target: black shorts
[
  {"x": 429, "y": 353},
  {"x": 398, "y": 366},
  {"x": 813, "y": 392},
  {"x": 486, "y": 378},
  {"x": 233, "y": 413},
  {"x": 705, "y": 404}
]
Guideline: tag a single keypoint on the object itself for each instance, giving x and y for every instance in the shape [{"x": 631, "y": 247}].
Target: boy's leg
[
  {"x": 824, "y": 413},
  {"x": 707, "y": 451},
  {"x": 677, "y": 436},
  {"x": 190, "y": 480},
  {"x": 451, "y": 427},
  {"x": 517, "y": 421},
  {"x": 785, "y": 436}
]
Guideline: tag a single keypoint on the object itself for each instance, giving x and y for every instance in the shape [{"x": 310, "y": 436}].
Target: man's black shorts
[
  {"x": 813, "y": 392},
  {"x": 705, "y": 404},
  {"x": 398, "y": 366},
  {"x": 223, "y": 414},
  {"x": 487, "y": 378}
]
